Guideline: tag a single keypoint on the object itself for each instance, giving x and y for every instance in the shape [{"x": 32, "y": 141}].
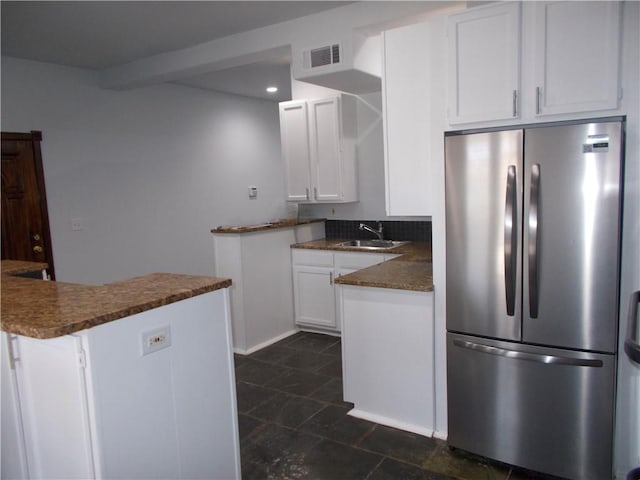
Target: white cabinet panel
[
  {"x": 484, "y": 69},
  {"x": 13, "y": 463},
  {"x": 319, "y": 148},
  {"x": 387, "y": 345},
  {"x": 325, "y": 148},
  {"x": 94, "y": 405},
  {"x": 576, "y": 57},
  {"x": 406, "y": 113},
  {"x": 294, "y": 139},
  {"x": 569, "y": 59},
  {"x": 259, "y": 263},
  {"x": 356, "y": 260},
  {"x": 55, "y": 412},
  {"x": 314, "y": 296}
]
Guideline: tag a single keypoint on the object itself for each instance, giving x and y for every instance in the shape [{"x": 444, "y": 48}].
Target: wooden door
[{"x": 25, "y": 221}]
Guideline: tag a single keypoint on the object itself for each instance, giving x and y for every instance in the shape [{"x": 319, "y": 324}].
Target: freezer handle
[
  {"x": 631, "y": 345},
  {"x": 510, "y": 240},
  {"x": 534, "y": 230},
  {"x": 531, "y": 357}
]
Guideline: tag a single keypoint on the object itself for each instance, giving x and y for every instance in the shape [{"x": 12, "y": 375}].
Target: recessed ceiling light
[{"x": 272, "y": 89}]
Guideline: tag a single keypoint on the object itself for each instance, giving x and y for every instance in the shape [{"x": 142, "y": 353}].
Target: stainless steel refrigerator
[{"x": 533, "y": 244}]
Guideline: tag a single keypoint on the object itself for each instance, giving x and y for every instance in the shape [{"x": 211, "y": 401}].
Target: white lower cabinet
[
  {"x": 316, "y": 299},
  {"x": 96, "y": 404},
  {"x": 387, "y": 352}
]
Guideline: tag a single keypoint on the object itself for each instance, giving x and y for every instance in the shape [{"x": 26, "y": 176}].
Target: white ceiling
[{"x": 104, "y": 34}]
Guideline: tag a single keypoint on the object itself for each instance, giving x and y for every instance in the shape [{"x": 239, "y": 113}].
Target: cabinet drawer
[
  {"x": 321, "y": 258},
  {"x": 356, "y": 260}
]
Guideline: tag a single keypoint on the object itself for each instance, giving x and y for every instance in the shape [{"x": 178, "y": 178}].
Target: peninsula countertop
[
  {"x": 47, "y": 309},
  {"x": 265, "y": 226},
  {"x": 411, "y": 270}
]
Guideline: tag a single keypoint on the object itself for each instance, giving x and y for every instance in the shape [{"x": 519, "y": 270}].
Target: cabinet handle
[
  {"x": 315, "y": 193},
  {"x": 307, "y": 192},
  {"x": 515, "y": 103},
  {"x": 330, "y": 278},
  {"x": 538, "y": 93}
]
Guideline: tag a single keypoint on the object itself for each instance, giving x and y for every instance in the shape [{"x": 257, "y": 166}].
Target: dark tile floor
[{"x": 294, "y": 424}]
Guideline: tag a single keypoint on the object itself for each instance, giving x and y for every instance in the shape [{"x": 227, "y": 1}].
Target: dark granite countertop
[
  {"x": 411, "y": 270},
  {"x": 45, "y": 309},
  {"x": 264, "y": 226}
]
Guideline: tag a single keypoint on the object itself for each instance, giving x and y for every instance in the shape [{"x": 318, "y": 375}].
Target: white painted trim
[
  {"x": 262, "y": 345},
  {"x": 440, "y": 434},
  {"x": 333, "y": 333},
  {"x": 390, "y": 422}
]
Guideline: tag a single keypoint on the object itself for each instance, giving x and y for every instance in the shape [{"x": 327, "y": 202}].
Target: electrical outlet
[
  {"x": 253, "y": 191},
  {"x": 76, "y": 224},
  {"x": 155, "y": 340}
]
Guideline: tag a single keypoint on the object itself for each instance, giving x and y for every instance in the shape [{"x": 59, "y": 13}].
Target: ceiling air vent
[
  {"x": 325, "y": 55},
  {"x": 351, "y": 63}
]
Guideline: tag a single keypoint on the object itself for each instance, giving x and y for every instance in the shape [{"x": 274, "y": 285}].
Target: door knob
[{"x": 38, "y": 249}]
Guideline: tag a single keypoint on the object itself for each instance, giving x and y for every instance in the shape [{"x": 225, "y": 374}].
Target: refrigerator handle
[
  {"x": 534, "y": 229},
  {"x": 510, "y": 240},
  {"x": 531, "y": 357},
  {"x": 631, "y": 345}
]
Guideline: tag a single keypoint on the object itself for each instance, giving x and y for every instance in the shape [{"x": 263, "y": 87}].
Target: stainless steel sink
[{"x": 371, "y": 244}]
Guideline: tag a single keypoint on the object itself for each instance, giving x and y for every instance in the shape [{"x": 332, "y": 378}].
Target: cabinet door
[
  {"x": 55, "y": 412},
  {"x": 315, "y": 302},
  {"x": 406, "y": 126},
  {"x": 12, "y": 447},
  {"x": 576, "y": 59},
  {"x": 294, "y": 137},
  {"x": 484, "y": 68},
  {"x": 326, "y": 154}
]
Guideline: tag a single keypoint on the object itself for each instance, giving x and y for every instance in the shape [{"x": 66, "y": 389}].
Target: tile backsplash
[{"x": 392, "y": 230}]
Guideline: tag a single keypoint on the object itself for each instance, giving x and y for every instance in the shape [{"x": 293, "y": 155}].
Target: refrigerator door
[
  {"x": 544, "y": 409},
  {"x": 572, "y": 216},
  {"x": 483, "y": 177}
]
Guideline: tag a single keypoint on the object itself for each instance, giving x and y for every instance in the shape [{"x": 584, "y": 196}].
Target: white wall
[{"x": 149, "y": 171}]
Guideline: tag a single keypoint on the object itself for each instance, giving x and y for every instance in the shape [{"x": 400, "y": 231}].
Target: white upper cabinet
[
  {"x": 319, "y": 149},
  {"x": 569, "y": 61},
  {"x": 406, "y": 107},
  {"x": 294, "y": 139},
  {"x": 484, "y": 68},
  {"x": 576, "y": 56}
]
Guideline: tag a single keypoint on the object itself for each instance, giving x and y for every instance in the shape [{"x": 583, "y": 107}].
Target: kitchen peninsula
[
  {"x": 131, "y": 379},
  {"x": 258, "y": 259},
  {"x": 388, "y": 341}
]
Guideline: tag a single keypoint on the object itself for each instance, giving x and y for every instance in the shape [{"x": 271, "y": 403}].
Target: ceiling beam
[{"x": 259, "y": 44}]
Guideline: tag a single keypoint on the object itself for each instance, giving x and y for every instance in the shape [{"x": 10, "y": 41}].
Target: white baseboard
[
  {"x": 440, "y": 435},
  {"x": 390, "y": 422},
  {"x": 262, "y": 345},
  {"x": 305, "y": 328}
]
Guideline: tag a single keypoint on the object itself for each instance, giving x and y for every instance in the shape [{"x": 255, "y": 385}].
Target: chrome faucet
[{"x": 377, "y": 233}]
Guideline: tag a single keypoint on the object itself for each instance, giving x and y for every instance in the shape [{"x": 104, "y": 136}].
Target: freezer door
[
  {"x": 483, "y": 176},
  {"x": 543, "y": 409},
  {"x": 572, "y": 219}
]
